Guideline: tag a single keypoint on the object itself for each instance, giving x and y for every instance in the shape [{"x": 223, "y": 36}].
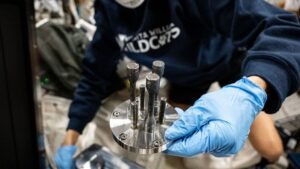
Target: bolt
[
  {"x": 156, "y": 143},
  {"x": 123, "y": 136},
  {"x": 116, "y": 113},
  {"x": 135, "y": 111}
]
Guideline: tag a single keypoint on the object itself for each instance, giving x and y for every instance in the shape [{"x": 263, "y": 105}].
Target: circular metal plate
[{"x": 137, "y": 140}]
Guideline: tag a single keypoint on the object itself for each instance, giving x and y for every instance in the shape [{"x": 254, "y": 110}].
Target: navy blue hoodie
[{"x": 196, "y": 39}]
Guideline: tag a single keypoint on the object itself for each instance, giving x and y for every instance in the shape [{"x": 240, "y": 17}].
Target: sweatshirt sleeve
[
  {"x": 98, "y": 77},
  {"x": 272, "y": 38}
]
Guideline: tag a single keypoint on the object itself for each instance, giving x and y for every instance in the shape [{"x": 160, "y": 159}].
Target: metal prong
[
  {"x": 156, "y": 107},
  {"x": 142, "y": 97},
  {"x": 134, "y": 111},
  {"x": 163, "y": 103},
  {"x": 152, "y": 85},
  {"x": 158, "y": 67},
  {"x": 133, "y": 75}
]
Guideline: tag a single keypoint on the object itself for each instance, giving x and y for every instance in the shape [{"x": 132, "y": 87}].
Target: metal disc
[{"x": 137, "y": 140}]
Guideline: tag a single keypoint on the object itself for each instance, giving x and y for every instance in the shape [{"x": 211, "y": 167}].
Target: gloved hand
[
  {"x": 218, "y": 122},
  {"x": 64, "y": 157}
]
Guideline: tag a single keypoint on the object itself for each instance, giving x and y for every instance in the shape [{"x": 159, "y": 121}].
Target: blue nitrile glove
[
  {"x": 64, "y": 157},
  {"x": 218, "y": 122}
]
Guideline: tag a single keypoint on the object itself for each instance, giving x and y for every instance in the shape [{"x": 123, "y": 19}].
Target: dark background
[{"x": 18, "y": 141}]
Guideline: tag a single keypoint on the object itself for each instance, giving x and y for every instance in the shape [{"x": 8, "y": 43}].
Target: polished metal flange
[{"x": 136, "y": 138}]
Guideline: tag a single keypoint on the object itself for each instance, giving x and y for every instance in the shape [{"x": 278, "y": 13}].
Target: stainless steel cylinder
[
  {"x": 163, "y": 104},
  {"x": 152, "y": 85},
  {"x": 134, "y": 110},
  {"x": 142, "y": 97},
  {"x": 133, "y": 76},
  {"x": 138, "y": 140},
  {"x": 134, "y": 124},
  {"x": 158, "y": 67}
]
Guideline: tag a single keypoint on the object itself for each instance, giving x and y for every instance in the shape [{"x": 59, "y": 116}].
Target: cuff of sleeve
[
  {"x": 76, "y": 124},
  {"x": 276, "y": 77}
]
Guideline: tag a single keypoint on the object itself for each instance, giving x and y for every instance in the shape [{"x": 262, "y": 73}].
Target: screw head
[
  {"x": 116, "y": 113},
  {"x": 157, "y": 143},
  {"x": 123, "y": 136}
]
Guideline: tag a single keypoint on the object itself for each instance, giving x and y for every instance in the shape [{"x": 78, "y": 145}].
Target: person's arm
[
  {"x": 71, "y": 137},
  {"x": 259, "y": 81},
  {"x": 219, "y": 122},
  {"x": 98, "y": 78},
  {"x": 271, "y": 36},
  {"x": 264, "y": 137}
]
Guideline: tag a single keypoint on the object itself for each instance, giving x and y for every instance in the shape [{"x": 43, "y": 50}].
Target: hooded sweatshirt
[{"x": 197, "y": 39}]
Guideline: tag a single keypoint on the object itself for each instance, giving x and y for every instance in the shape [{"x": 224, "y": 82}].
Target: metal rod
[
  {"x": 134, "y": 114},
  {"x": 142, "y": 97},
  {"x": 156, "y": 104},
  {"x": 152, "y": 85},
  {"x": 163, "y": 103},
  {"x": 158, "y": 67},
  {"x": 133, "y": 75}
]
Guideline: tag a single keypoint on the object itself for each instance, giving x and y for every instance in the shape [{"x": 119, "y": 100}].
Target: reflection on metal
[
  {"x": 134, "y": 124},
  {"x": 96, "y": 157},
  {"x": 138, "y": 140},
  {"x": 163, "y": 103},
  {"x": 158, "y": 67},
  {"x": 133, "y": 75},
  {"x": 142, "y": 97}
]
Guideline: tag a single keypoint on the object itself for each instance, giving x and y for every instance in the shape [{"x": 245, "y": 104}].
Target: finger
[
  {"x": 64, "y": 156},
  {"x": 179, "y": 111},
  {"x": 215, "y": 137},
  {"x": 189, "y": 146},
  {"x": 58, "y": 161},
  {"x": 185, "y": 125},
  {"x": 170, "y": 134}
]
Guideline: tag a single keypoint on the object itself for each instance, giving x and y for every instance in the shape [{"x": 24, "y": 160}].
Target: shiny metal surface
[
  {"x": 142, "y": 97},
  {"x": 133, "y": 75},
  {"x": 158, "y": 67},
  {"x": 152, "y": 85},
  {"x": 163, "y": 103},
  {"x": 138, "y": 140},
  {"x": 140, "y": 127}
]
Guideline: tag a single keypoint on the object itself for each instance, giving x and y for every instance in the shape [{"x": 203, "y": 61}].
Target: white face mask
[{"x": 130, "y": 3}]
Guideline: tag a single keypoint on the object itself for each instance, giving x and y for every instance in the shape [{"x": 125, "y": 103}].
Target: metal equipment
[
  {"x": 158, "y": 67},
  {"x": 133, "y": 75},
  {"x": 139, "y": 124},
  {"x": 98, "y": 157}
]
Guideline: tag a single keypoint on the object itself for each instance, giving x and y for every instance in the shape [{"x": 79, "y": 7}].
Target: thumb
[
  {"x": 216, "y": 137},
  {"x": 191, "y": 145},
  {"x": 185, "y": 125},
  {"x": 179, "y": 111}
]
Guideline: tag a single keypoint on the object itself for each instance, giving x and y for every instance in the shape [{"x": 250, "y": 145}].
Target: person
[
  {"x": 200, "y": 42},
  {"x": 264, "y": 144}
]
